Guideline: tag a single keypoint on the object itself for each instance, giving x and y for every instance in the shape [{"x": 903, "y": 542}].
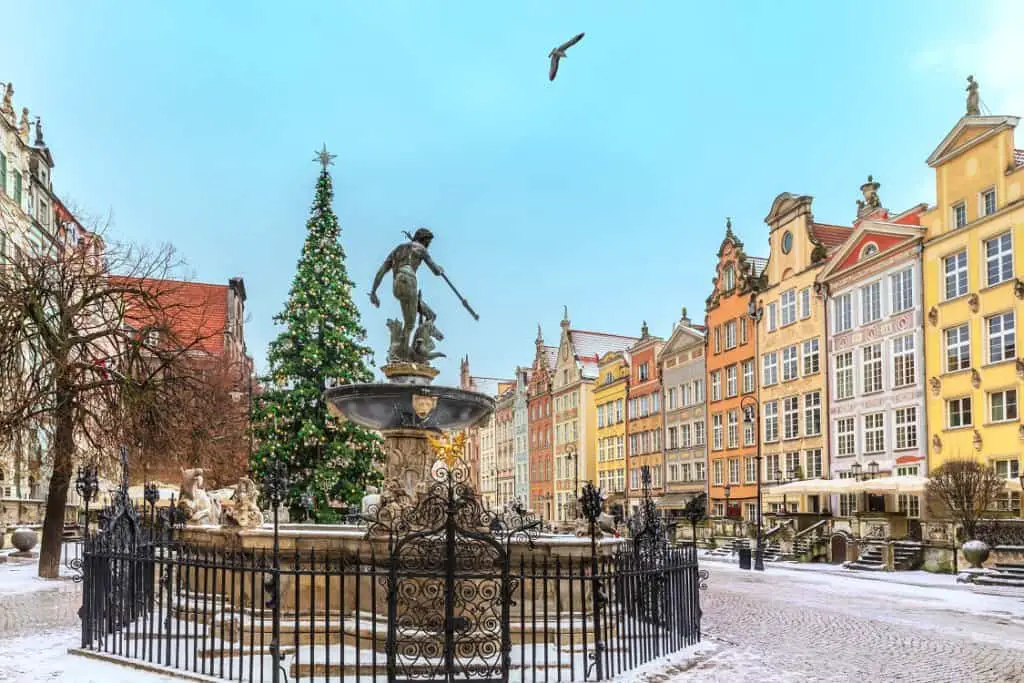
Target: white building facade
[
  {"x": 521, "y": 434},
  {"x": 876, "y": 362}
]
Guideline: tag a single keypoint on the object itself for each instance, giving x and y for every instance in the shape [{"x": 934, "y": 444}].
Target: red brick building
[{"x": 540, "y": 428}]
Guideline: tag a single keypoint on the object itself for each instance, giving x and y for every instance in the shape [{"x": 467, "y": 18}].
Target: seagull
[{"x": 559, "y": 52}]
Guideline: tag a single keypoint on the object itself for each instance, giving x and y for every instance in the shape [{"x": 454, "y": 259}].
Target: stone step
[
  {"x": 997, "y": 580},
  {"x": 861, "y": 565}
]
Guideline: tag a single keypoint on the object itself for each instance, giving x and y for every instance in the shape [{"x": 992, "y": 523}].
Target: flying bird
[{"x": 559, "y": 52}]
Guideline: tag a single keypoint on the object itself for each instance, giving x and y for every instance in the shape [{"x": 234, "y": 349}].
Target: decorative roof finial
[
  {"x": 39, "y": 133},
  {"x": 24, "y": 126},
  {"x": 325, "y": 158},
  {"x": 728, "y": 228},
  {"x": 565, "y": 313},
  {"x": 643, "y": 331},
  {"x": 973, "y": 103},
  {"x": 871, "y": 200},
  {"x": 540, "y": 336},
  {"x": 8, "y": 104}
]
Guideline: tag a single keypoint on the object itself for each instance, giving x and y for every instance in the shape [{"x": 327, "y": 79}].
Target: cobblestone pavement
[
  {"x": 38, "y": 610},
  {"x": 797, "y": 626}
]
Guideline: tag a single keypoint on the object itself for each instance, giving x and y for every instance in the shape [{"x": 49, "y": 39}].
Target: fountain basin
[{"x": 408, "y": 406}]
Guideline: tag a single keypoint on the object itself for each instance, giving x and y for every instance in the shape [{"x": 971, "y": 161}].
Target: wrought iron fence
[{"x": 446, "y": 592}]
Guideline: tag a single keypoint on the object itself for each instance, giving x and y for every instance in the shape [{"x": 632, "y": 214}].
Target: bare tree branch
[{"x": 968, "y": 489}]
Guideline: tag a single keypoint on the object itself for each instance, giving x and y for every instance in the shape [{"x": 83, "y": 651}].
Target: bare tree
[
  {"x": 968, "y": 489},
  {"x": 90, "y": 332}
]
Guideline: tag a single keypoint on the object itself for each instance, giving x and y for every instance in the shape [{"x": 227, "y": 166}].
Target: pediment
[
  {"x": 883, "y": 237},
  {"x": 968, "y": 132},
  {"x": 681, "y": 338}
]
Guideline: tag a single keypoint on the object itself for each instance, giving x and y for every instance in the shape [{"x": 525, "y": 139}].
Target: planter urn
[{"x": 975, "y": 552}]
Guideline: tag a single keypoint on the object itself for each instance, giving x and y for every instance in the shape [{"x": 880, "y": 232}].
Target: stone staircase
[
  {"x": 1002, "y": 574},
  {"x": 731, "y": 547},
  {"x": 906, "y": 555}
]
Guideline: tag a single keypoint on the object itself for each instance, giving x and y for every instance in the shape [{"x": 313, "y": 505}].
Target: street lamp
[
  {"x": 873, "y": 469},
  {"x": 783, "y": 479},
  {"x": 855, "y": 469},
  {"x": 570, "y": 454},
  {"x": 750, "y": 416}
]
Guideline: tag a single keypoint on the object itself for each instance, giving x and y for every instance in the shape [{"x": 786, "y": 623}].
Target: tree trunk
[{"x": 53, "y": 524}]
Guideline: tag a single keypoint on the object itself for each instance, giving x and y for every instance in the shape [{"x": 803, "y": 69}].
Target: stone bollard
[{"x": 24, "y": 539}]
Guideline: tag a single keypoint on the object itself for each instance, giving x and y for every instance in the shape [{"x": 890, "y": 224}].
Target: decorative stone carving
[
  {"x": 193, "y": 500},
  {"x": 605, "y": 526},
  {"x": 871, "y": 200},
  {"x": 1020, "y": 368},
  {"x": 25, "y": 125},
  {"x": 819, "y": 253},
  {"x": 409, "y": 459},
  {"x": 973, "y": 303},
  {"x": 423, "y": 342},
  {"x": 975, "y": 378},
  {"x": 936, "y": 443},
  {"x": 933, "y": 316},
  {"x": 1018, "y": 288},
  {"x": 7, "y": 108},
  {"x": 936, "y": 385},
  {"x": 976, "y": 440},
  {"x": 371, "y": 502},
  {"x": 1020, "y": 431},
  {"x": 244, "y": 513}
]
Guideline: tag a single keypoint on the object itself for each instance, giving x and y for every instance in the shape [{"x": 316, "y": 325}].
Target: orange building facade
[
  {"x": 732, "y": 382},
  {"x": 539, "y": 429},
  {"x": 644, "y": 447}
]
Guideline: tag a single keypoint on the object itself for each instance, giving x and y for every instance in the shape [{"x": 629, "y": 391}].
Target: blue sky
[{"x": 606, "y": 191}]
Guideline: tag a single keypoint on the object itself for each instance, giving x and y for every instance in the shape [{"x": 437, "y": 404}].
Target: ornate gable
[
  {"x": 869, "y": 242},
  {"x": 968, "y": 132}
]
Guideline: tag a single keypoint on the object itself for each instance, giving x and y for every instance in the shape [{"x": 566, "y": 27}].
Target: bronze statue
[
  {"x": 973, "y": 103},
  {"x": 403, "y": 262}
]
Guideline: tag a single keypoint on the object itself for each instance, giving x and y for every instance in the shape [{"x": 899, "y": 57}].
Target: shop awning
[
  {"x": 674, "y": 501},
  {"x": 811, "y": 487},
  {"x": 882, "y": 485}
]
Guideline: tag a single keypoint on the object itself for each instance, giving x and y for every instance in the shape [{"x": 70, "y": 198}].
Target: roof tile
[
  {"x": 831, "y": 236},
  {"x": 1018, "y": 157},
  {"x": 197, "y": 312}
]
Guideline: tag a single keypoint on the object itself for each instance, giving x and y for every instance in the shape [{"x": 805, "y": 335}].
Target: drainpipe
[
  {"x": 625, "y": 438},
  {"x": 827, "y": 398}
]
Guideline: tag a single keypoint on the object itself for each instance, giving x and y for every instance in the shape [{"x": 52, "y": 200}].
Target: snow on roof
[
  {"x": 490, "y": 386},
  {"x": 590, "y": 346},
  {"x": 551, "y": 356}
]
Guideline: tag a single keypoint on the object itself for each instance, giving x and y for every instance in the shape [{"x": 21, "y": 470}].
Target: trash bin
[{"x": 744, "y": 558}]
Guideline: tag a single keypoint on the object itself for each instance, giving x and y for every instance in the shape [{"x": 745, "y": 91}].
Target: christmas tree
[{"x": 322, "y": 344}]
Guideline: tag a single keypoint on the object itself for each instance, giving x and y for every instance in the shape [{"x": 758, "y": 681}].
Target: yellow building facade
[
  {"x": 974, "y": 295},
  {"x": 610, "y": 393},
  {"x": 791, "y": 348}
]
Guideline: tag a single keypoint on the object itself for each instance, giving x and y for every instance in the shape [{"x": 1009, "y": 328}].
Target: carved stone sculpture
[
  {"x": 245, "y": 513},
  {"x": 973, "y": 101},
  {"x": 871, "y": 200},
  {"x": 370, "y": 504},
  {"x": 936, "y": 443},
  {"x": 193, "y": 500},
  {"x": 973, "y": 303},
  {"x": 25, "y": 125},
  {"x": 936, "y": 385},
  {"x": 7, "y": 107},
  {"x": 605, "y": 525}
]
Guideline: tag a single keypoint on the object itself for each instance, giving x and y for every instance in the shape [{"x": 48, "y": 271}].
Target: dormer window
[{"x": 152, "y": 337}]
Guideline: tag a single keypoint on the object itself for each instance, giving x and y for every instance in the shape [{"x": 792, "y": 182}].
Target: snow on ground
[
  {"x": 44, "y": 656},
  {"x": 21, "y": 575}
]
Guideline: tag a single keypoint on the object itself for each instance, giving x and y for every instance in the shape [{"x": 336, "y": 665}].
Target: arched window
[
  {"x": 728, "y": 278},
  {"x": 869, "y": 250}
]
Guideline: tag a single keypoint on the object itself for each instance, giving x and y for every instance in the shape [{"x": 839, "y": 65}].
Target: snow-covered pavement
[{"x": 797, "y": 625}]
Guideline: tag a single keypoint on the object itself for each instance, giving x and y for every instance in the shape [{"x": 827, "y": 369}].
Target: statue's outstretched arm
[
  {"x": 385, "y": 267},
  {"x": 434, "y": 268}
]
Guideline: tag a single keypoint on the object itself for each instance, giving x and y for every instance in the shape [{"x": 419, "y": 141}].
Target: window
[
  {"x": 906, "y": 428},
  {"x": 793, "y": 465},
  {"x": 909, "y": 505},
  {"x": 671, "y": 398},
  {"x": 716, "y": 432},
  {"x": 644, "y": 372},
  {"x": 698, "y": 433},
  {"x": 874, "y": 433},
  {"x": 717, "y": 472},
  {"x": 812, "y": 463},
  {"x": 718, "y": 339},
  {"x": 771, "y": 466},
  {"x": 812, "y": 362},
  {"x": 847, "y": 504},
  {"x": 600, "y": 416},
  {"x": 812, "y": 413},
  {"x": 872, "y": 368},
  {"x": 871, "y": 303},
  {"x": 902, "y": 290},
  {"x": 903, "y": 364},
  {"x": 734, "y": 470},
  {"x": 791, "y": 417},
  {"x": 1002, "y": 337},
  {"x": 844, "y": 375},
  {"x": 743, "y": 330},
  {"x": 787, "y": 242},
  {"x": 770, "y": 369},
  {"x": 772, "y": 316},
  {"x": 788, "y": 304},
  {"x": 954, "y": 268},
  {"x": 684, "y": 436},
  {"x": 959, "y": 215},
  {"x": 728, "y": 278},
  {"x": 730, "y": 381},
  {"x": 684, "y": 472},
  {"x": 748, "y": 428},
  {"x": 698, "y": 391},
  {"x": 843, "y": 313},
  {"x": 698, "y": 471},
  {"x": 805, "y": 303},
  {"x": 845, "y": 437},
  {"x": 998, "y": 259},
  {"x": 748, "y": 376},
  {"x": 988, "y": 202},
  {"x": 730, "y": 334},
  {"x": 716, "y": 386},
  {"x": 733, "y": 435},
  {"x": 3, "y": 173},
  {"x": 17, "y": 187},
  {"x": 1002, "y": 405},
  {"x": 771, "y": 421},
  {"x": 958, "y": 348},
  {"x": 1008, "y": 469},
  {"x": 958, "y": 412},
  {"x": 789, "y": 363},
  {"x": 718, "y": 510},
  {"x": 751, "y": 511}
]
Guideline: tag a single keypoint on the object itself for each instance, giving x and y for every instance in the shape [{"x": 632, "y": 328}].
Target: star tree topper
[{"x": 324, "y": 157}]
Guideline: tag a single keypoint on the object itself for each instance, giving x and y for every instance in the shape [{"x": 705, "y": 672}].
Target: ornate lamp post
[
  {"x": 783, "y": 479},
  {"x": 87, "y": 485},
  {"x": 728, "y": 490},
  {"x": 856, "y": 469},
  {"x": 873, "y": 469},
  {"x": 751, "y": 416},
  {"x": 571, "y": 454}
]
